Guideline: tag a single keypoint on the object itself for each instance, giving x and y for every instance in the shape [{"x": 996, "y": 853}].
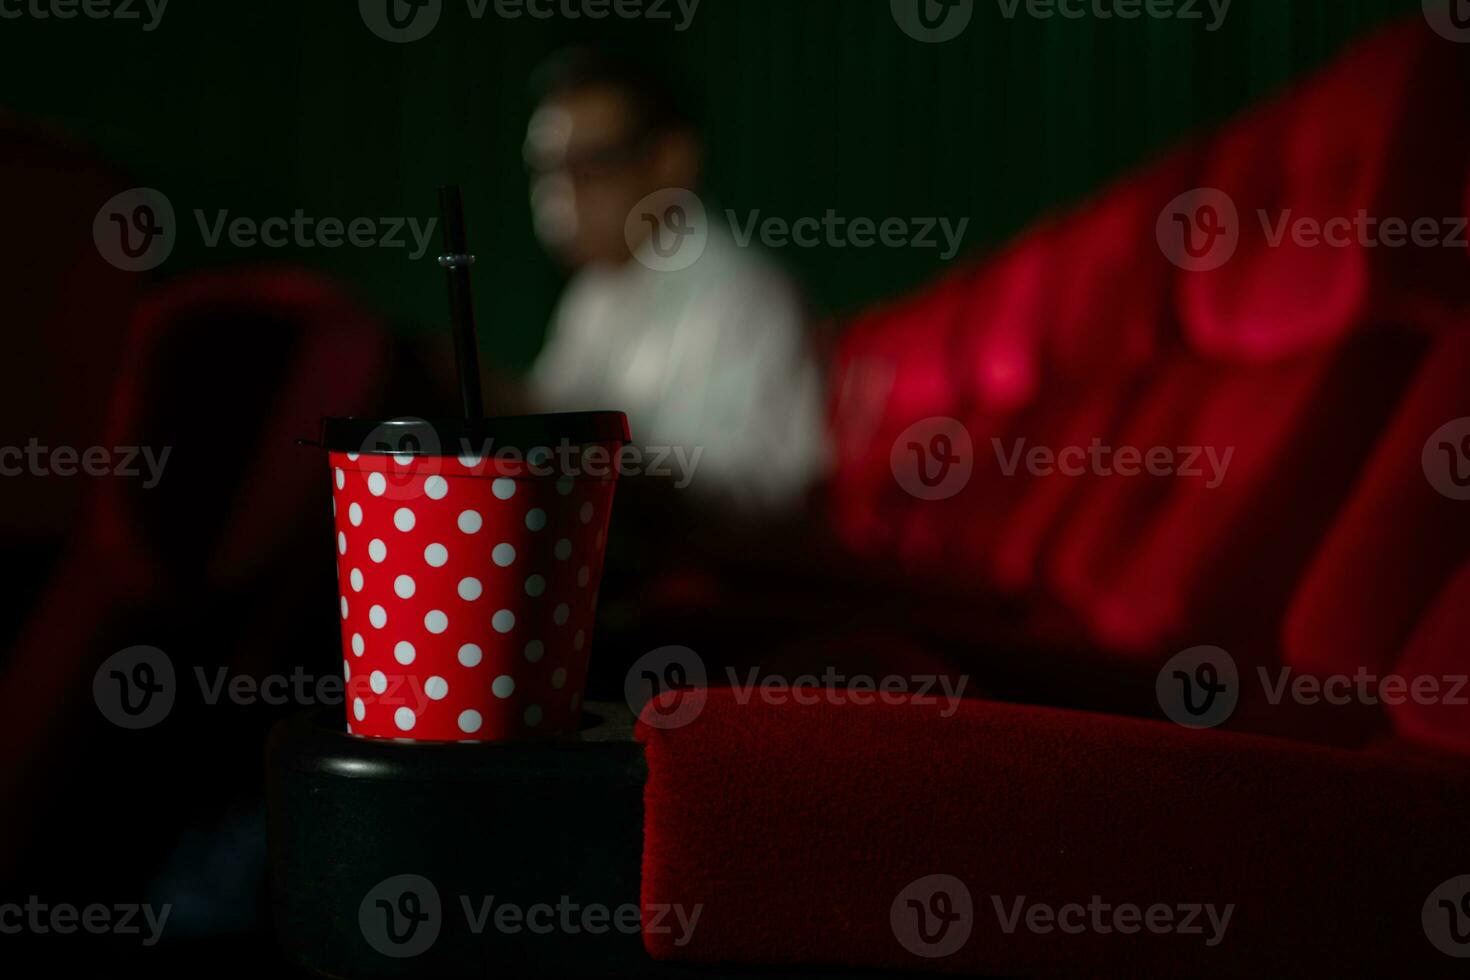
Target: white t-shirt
[{"x": 713, "y": 359}]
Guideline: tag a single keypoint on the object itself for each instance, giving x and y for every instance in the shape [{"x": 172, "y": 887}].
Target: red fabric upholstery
[
  {"x": 1439, "y": 715},
  {"x": 1109, "y": 321},
  {"x": 893, "y": 368},
  {"x": 1042, "y": 346},
  {"x": 67, "y": 310},
  {"x": 795, "y": 828},
  {"x": 1181, "y": 560},
  {"x": 1370, "y": 133},
  {"x": 225, "y": 521},
  {"x": 1396, "y": 541}
]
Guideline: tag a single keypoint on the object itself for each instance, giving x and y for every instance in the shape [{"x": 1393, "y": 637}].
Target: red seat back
[
  {"x": 1376, "y": 134},
  {"x": 1396, "y": 541},
  {"x": 225, "y": 370},
  {"x": 66, "y": 310},
  {"x": 1432, "y": 703}
]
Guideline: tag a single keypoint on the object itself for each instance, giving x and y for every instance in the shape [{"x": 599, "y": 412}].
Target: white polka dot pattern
[{"x": 465, "y": 600}]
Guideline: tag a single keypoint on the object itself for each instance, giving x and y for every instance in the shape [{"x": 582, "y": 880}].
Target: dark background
[{"x": 265, "y": 107}]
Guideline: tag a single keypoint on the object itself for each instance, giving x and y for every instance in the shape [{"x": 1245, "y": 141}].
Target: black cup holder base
[{"x": 414, "y": 859}]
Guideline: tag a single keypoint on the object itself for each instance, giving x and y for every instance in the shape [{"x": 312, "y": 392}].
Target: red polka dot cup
[{"x": 468, "y": 562}]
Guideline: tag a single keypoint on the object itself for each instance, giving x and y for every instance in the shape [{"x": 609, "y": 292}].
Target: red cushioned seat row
[
  {"x": 1336, "y": 543},
  {"x": 1274, "y": 374}
]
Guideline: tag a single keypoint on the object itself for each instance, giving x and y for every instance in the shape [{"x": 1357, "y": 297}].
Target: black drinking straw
[{"x": 456, "y": 261}]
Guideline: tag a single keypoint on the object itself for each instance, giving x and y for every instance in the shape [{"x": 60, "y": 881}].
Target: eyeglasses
[{"x": 592, "y": 162}]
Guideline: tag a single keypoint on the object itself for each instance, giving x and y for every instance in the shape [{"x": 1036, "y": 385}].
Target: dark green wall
[{"x": 267, "y": 106}]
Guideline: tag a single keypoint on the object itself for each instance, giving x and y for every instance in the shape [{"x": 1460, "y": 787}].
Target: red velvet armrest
[{"x": 794, "y": 829}]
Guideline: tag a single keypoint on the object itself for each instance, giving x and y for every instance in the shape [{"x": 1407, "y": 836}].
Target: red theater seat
[
  {"x": 1435, "y": 673},
  {"x": 798, "y": 830},
  {"x": 1107, "y": 322},
  {"x": 1376, "y": 132},
  {"x": 1335, "y": 541},
  {"x": 1202, "y": 563},
  {"x": 1395, "y": 543},
  {"x": 66, "y": 312},
  {"x": 1044, "y": 346},
  {"x": 211, "y": 561},
  {"x": 892, "y": 367}
]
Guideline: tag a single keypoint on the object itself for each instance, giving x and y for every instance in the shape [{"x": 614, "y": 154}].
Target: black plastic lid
[{"x": 454, "y": 437}]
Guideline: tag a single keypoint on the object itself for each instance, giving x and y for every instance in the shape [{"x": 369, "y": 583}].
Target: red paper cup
[{"x": 468, "y": 562}]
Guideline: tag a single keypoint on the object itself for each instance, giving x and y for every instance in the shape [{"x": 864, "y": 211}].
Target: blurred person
[{"x": 713, "y": 357}]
